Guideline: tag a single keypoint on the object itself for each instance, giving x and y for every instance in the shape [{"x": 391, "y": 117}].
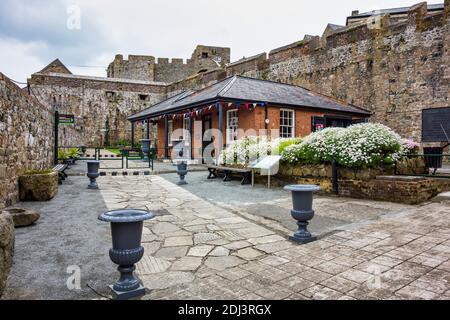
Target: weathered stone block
[
  {"x": 38, "y": 187},
  {"x": 7, "y": 236},
  {"x": 23, "y": 217}
]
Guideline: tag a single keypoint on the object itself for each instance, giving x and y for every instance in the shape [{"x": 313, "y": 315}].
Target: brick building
[{"x": 239, "y": 106}]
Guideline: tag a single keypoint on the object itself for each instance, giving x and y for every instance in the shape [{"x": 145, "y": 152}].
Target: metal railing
[{"x": 125, "y": 156}]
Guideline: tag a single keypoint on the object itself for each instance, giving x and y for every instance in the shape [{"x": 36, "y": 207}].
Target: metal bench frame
[
  {"x": 62, "y": 175},
  {"x": 245, "y": 173}
]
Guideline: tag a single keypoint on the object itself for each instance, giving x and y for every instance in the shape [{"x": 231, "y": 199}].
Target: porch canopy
[{"x": 242, "y": 92}]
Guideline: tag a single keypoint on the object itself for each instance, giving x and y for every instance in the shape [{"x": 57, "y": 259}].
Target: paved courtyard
[{"x": 201, "y": 247}]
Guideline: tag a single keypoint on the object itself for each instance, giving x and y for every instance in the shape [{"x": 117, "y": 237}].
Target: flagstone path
[{"x": 196, "y": 250}]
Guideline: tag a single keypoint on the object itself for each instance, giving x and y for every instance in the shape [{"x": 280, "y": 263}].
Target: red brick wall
[{"x": 248, "y": 119}]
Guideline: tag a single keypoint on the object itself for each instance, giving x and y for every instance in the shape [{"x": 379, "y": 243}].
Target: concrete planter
[{"x": 38, "y": 187}]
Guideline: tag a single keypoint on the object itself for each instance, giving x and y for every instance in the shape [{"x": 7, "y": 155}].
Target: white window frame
[
  {"x": 170, "y": 132},
  {"x": 232, "y": 136},
  {"x": 292, "y": 111}
]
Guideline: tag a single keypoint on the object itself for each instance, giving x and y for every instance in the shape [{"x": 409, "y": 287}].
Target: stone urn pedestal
[
  {"x": 182, "y": 172},
  {"x": 93, "y": 168},
  {"x": 145, "y": 148},
  {"x": 38, "y": 187},
  {"x": 302, "y": 198},
  {"x": 126, "y": 231}
]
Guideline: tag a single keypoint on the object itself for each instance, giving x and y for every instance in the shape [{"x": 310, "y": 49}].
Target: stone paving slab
[
  {"x": 195, "y": 249},
  {"x": 399, "y": 256}
]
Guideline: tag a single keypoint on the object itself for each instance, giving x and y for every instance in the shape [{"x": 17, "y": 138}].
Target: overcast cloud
[{"x": 35, "y": 32}]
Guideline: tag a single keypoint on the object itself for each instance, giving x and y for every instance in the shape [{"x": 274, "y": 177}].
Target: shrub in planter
[
  {"x": 362, "y": 145},
  {"x": 38, "y": 185}
]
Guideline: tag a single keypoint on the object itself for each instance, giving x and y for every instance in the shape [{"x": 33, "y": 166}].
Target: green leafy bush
[
  {"x": 362, "y": 145},
  {"x": 73, "y": 153},
  {"x": 251, "y": 148},
  {"x": 287, "y": 143},
  {"x": 62, "y": 155}
]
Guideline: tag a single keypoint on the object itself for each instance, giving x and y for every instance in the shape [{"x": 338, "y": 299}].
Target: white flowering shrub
[
  {"x": 251, "y": 148},
  {"x": 361, "y": 145}
]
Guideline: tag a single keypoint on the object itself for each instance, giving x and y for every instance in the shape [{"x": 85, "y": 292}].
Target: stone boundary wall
[
  {"x": 369, "y": 183},
  {"x": 26, "y": 138},
  {"x": 400, "y": 189},
  {"x": 98, "y": 104}
]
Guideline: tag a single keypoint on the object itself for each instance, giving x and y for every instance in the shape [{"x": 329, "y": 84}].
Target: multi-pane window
[
  {"x": 287, "y": 120},
  {"x": 232, "y": 125}
]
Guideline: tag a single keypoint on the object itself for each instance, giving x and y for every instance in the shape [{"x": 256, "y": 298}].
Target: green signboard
[{"x": 66, "y": 119}]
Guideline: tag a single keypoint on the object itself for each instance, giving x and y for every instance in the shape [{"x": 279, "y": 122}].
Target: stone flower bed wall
[
  {"x": 26, "y": 138},
  {"x": 375, "y": 183}
]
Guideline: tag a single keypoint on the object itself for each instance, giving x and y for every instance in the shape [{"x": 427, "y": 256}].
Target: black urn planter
[
  {"x": 92, "y": 172},
  {"x": 126, "y": 231},
  {"x": 302, "y": 197},
  {"x": 182, "y": 172}
]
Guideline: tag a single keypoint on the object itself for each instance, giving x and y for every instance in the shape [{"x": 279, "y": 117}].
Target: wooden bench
[
  {"x": 61, "y": 168},
  {"x": 228, "y": 171}
]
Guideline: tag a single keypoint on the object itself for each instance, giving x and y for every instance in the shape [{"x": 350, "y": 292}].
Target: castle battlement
[{"x": 149, "y": 68}]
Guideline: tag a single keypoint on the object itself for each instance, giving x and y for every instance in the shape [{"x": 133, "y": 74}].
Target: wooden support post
[
  {"x": 148, "y": 129},
  {"x": 191, "y": 134},
  {"x": 220, "y": 132},
  {"x": 166, "y": 124}
]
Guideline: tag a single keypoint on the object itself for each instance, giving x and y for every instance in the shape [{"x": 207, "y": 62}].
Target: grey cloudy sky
[{"x": 35, "y": 32}]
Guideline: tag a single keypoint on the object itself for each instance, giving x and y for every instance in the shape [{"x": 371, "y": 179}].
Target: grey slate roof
[
  {"x": 161, "y": 106},
  {"x": 402, "y": 10},
  {"x": 238, "y": 88}
]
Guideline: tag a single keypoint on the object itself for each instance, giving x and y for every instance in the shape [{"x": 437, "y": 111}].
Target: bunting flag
[{"x": 246, "y": 105}]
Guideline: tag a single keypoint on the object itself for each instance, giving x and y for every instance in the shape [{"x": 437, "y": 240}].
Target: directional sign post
[{"x": 66, "y": 119}]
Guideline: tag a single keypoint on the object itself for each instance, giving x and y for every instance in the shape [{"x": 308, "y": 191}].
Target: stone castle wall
[
  {"x": 26, "y": 138},
  {"x": 99, "y": 104},
  {"x": 394, "y": 69},
  {"x": 148, "y": 68}
]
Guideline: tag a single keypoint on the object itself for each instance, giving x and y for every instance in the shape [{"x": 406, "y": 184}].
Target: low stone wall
[
  {"x": 400, "y": 189},
  {"x": 7, "y": 237},
  {"x": 26, "y": 138},
  {"x": 369, "y": 183}
]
